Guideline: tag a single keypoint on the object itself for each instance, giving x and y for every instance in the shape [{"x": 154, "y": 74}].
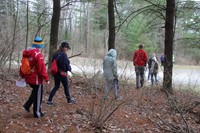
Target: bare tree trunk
[
  {"x": 54, "y": 28},
  {"x": 169, "y": 34},
  {"x": 14, "y": 34},
  {"x": 111, "y": 19},
  {"x": 85, "y": 27},
  {"x": 27, "y": 23}
]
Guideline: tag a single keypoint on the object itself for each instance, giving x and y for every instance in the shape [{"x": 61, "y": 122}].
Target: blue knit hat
[{"x": 38, "y": 43}]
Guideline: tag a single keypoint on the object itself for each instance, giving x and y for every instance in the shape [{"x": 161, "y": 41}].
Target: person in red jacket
[
  {"x": 36, "y": 77},
  {"x": 139, "y": 61}
]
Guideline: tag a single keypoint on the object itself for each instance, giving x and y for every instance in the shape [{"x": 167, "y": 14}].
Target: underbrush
[
  {"x": 143, "y": 110},
  {"x": 147, "y": 109}
]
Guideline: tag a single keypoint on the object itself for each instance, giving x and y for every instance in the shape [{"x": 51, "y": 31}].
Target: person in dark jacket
[
  {"x": 36, "y": 77},
  {"x": 139, "y": 61},
  {"x": 64, "y": 67}
]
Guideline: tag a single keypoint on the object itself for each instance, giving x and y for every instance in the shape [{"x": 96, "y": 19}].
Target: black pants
[
  {"x": 35, "y": 98},
  {"x": 57, "y": 79}
]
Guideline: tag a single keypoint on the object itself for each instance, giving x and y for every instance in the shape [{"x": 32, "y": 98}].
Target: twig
[
  {"x": 75, "y": 55},
  {"x": 161, "y": 128},
  {"x": 193, "y": 105},
  {"x": 113, "y": 111},
  {"x": 68, "y": 57},
  {"x": 166, "y": 123},
  {"x": 188, "y": 130}
]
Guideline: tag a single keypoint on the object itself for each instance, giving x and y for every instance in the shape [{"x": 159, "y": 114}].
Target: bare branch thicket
[
  {"x": 103, "y": 112},
  {"x": 40, "y": 26},
  {"x": 174, "y": 105},
  {"x": 130, "y": 15},
  {"x": 100, "y": 110},
  {"x": 145, "y": 9}
]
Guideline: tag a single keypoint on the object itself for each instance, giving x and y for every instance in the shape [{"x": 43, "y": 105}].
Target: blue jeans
[
  {"x": 149, "y": 74},
  {"x": 154, "y": 75},
  {"x": 139, "y": 70}
]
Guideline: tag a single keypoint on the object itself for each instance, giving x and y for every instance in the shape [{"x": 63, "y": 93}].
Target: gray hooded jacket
[{"x": 110, "y": 65}]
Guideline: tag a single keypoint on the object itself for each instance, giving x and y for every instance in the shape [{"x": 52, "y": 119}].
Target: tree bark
[
  {"x": 169, "y": 35},
  {"x": 27, "y": 23},
  {"x": 111, "y": 19},
  {"x": 54, "y": 28}
]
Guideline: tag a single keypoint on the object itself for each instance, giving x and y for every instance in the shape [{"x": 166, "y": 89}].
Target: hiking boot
[
  {"x": 71, "y": 101},
  {"x": 26, "y": 109},
  {"x": 42, "y": 115},
  {"x": 49, "y": 103}
]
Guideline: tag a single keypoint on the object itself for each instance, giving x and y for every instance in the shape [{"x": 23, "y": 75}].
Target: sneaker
[
  {"x": 71, "y": 101},
  {"x": 26, "y": 109},
  {"x": 42, "y": 115},
  {"x": 118, "y": 98},
  {"x": 49, "y": 103}
]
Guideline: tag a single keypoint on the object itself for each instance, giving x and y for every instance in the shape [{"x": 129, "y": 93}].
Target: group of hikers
[
  {"x": 140, "y": 60},
  {"x": 39, "y": 74}
]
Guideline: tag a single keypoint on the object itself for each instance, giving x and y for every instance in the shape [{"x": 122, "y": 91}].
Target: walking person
[
  {"x": 149, "y": 74},
  {"x": 110, "y": 74},
  {"x": 63, "y": 64},
  {"x": 162, "y": 59},
  {"x": 149, "y": 65},
  {"x": 36, "y": 76},
  {"x": 139, "y": 61},
  {"x": 153, "y": 69}
]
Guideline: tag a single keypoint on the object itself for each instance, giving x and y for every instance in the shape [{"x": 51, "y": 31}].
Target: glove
[
  {"x": 48, "y": 82},
  {"x": 70, "y": 74}
]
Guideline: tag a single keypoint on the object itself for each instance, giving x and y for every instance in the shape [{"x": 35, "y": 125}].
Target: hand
[
  {"x": 70, "y": 74},
  {"x": 48, "y": 82}
]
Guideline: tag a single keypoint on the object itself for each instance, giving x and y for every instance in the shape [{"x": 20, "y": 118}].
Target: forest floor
[{"x": 144, "y": 110}]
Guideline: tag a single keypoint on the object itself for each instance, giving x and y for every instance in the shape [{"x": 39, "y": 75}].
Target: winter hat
[
  {"x": 65, "y": 45},
  {"x": 38, "y": 43},
  {"x": 154, "y": 58}
]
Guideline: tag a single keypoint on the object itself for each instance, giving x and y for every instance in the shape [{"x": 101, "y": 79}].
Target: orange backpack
[{"x": 25, "y": 66}]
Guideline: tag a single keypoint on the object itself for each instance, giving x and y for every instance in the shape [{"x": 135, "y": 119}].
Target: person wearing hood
[
  {"x": 35, "y": 77},
  {"x": 153, "y": 68},
  {"x": 149, "y": 65},
  {"x": 110, "y": 74}
]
